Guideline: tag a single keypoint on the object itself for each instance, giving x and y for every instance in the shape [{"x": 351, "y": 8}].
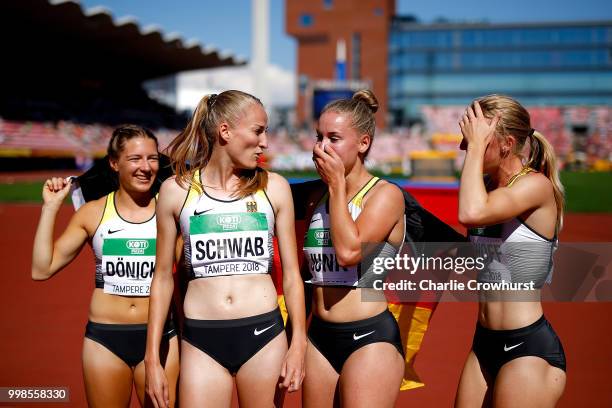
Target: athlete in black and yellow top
[
  {"x": 227, "y": 210},
  {"x": 121, "y": 228},
  {"x": 516, "y": 360},
  {"x": 354, "y": 351}
]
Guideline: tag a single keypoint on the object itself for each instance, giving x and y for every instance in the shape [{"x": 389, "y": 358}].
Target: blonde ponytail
[
  {"x": 192, "y": 148},
  {"x": 543, "y": 159}
]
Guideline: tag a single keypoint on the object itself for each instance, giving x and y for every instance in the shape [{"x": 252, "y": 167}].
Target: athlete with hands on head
[
  {"x": 115, "y": 336},
  {"x": 227, "y": 210},
  {"x": 516, "y": 357}
]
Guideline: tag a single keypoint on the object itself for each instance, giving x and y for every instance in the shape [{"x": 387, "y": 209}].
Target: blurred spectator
[{"x": 581, "y": 136}]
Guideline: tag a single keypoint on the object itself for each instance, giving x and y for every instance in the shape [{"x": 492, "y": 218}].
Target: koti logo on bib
[
  {"x": 137, "y": 246},
  {"x": 322, "y": 237},
  {"x": 229, "y": 222},
  {"x": 317, "y": 237}
]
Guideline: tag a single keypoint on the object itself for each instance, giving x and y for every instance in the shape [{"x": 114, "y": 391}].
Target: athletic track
[{"x": 43, "y": 323}]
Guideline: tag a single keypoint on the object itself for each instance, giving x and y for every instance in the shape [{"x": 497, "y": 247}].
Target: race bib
[
  {"x": 322, "y": 260},
  {"x": 229, "y": 244},
  {"x": 489, "y": 246},
  {"x": 128, "y": 265}
]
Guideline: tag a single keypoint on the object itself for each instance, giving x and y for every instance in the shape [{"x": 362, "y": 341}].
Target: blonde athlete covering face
[
  {"x": 354, "y": 354},
  {"x": 121, "y": 229},
  {"x": 516, "y": 360},
  {"x": 227, "y": 210}
]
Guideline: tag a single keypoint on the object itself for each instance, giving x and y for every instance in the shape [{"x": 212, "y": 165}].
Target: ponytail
[
  {"x": 542, "y": 158},
  {"x": 192, "y": 148}
]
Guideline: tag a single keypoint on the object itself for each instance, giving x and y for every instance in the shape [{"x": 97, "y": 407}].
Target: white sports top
[
  {"x": 321, "y": 255},
  {"x": 227, "y": 237},
  {"x": 124, "y": 252},
  {"x": 515, "y": 253}
]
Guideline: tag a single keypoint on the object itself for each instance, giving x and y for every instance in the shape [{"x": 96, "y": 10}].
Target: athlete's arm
[
  {"x": 49, "y": 257},
  {"x": 162, "y": 286},
  {"x": 293, "y": 288},
  {"x": 503, "y": 203},
  {"x": 380, "y": 214},
  {"x": 477, "y": 206},
  {"x": 376, "y": 221}
]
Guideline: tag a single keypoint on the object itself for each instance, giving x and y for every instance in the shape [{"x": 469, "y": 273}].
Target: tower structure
[
  {"x": 260, "y": 46},
  {"x": 318, "y": 27}
]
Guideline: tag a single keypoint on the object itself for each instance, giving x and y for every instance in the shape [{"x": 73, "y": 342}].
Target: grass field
[
  {"x": 21, "y": 192},
  {"x": 586, "y": 192}
]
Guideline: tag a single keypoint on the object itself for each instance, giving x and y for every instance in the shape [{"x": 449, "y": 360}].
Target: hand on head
[{"x": 477, "y": 130}]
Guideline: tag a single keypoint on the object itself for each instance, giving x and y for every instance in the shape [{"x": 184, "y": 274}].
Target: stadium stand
[
  {"x": 578, "y": 134},
  {"x": 68, "y": 83},
  {"x": 73, "y": 74}
]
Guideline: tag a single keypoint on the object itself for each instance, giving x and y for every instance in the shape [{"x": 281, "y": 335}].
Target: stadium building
[
  {"x": 410, "y": 65},
  {"x": 540, "y": 64},
  {"x": 318, "y": 26}
]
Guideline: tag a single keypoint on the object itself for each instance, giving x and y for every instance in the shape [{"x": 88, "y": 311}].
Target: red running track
[{"x": 42, "y": 324}]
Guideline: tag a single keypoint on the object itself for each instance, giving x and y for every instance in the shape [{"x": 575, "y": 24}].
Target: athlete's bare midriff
[
  {"x": 230, "y": 297},
  {"x": 346, "y": 304},
  {"x": 499, "y": 310},
  {"x": 114, "y": 309},
  {"x": 509, "y": 315}
]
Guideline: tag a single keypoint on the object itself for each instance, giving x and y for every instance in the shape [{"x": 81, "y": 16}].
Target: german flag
[{"x": 413, "y": 318}]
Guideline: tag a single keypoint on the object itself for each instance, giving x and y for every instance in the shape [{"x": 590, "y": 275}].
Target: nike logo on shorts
[
  {"x": 196, "y": 212},
  {"x": 357, "y": 337},
  {"x": 258, "y": 332},
  {"x": 511, "y": 347},
  {"x": 112, "y": 232}
]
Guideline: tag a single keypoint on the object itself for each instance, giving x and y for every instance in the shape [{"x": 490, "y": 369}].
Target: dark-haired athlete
[{"x": 121, "y": 229}]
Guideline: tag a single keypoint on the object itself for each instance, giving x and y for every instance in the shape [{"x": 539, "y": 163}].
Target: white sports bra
[
  {"x": 227, "y": 237},
  {"x": 124, "y": 252}
]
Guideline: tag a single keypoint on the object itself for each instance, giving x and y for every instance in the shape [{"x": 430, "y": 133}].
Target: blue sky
[{"x": 227, "y": 23}]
